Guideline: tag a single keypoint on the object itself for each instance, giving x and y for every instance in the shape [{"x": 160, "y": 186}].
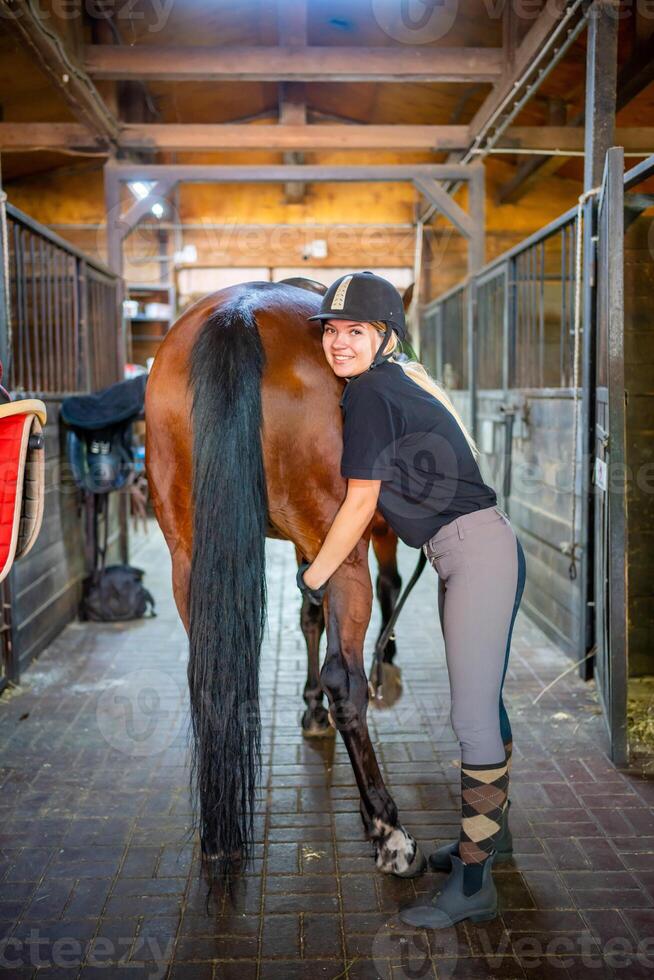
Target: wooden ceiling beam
[
  {"x": 195, "y": 137},
  {"x": 16, "y": 137},
  {"x": 294, "y": 63},
  {"x": 70, "y": 80}
]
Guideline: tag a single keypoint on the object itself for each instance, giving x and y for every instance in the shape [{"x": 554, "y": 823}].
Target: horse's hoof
[
  {"x": 391, "y": 686},
  {"x": 316, "y": 724},
  {"x": 417, "y": 867},
  {"x": 397, "y": 853}
]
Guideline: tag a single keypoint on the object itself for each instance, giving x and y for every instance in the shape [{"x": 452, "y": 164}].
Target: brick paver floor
[{"x": 98, "y": 876}]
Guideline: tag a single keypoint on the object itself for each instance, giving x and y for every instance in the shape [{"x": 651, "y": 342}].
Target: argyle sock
[
  {"x": 508, "y": 749},
  {"x": 483, "y": 797}
]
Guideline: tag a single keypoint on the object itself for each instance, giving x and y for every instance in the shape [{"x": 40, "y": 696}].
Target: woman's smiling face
[{"x": 350, "y": 346}]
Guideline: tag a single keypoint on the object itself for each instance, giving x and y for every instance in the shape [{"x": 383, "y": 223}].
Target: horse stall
[
  {"x": 62, "y": 335},
  {"x": 518, "y": 353},
  {"x": 588, "y": 542}
]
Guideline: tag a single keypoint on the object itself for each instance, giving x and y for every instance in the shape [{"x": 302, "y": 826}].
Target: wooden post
[
  {"x": 292, "y": 32},
  {"x": 601, "y": 86}
]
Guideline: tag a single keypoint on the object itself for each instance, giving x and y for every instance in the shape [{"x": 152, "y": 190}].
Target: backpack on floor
[{"x": 114, "y": 594}]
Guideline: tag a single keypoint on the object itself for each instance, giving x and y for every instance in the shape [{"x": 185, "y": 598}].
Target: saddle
[
  {"x": 22, "y": 476},
  {"x": 99, "y": 437}
]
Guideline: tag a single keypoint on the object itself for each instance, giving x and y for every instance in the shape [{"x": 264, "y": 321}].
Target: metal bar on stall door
[
  {"x": 66, "y": 322},
  {"x": 522, "y": 321},
  {"x": 572, "y": 273},
  {"x": 33, "y": 361},
  {"x": 563, "y": 314},
  {"x": 44, "y": 381},
  {"x": 525, "y": 305},
  {"x": 535, "y": 316},
  {"x": 80, "y": 374},
  {"x": 541, "y": 319},
  {"x": 67, "y": 330},
  {"x": 511, "y": 324},
  {"x": 56, "y": 315},
  {"x": 532, "y": 318},
  {"x": 525, "y": 313},
  {"x": 95, "y": 371},
  {"x": 472, "y": 351},
  {"x": 17, "y": 333},
  {"x": 46, "y": 284},
  {"x": 80, "y": 294}
]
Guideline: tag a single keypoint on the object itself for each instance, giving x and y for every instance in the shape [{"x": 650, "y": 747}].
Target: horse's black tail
[{"x": 227, "y": 601}]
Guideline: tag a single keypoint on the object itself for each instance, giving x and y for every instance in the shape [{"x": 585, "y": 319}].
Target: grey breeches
[{"x": 481, "y": 569}]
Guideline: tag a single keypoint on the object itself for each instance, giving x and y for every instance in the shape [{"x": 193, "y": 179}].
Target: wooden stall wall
[{"x": 64, "y": 337}]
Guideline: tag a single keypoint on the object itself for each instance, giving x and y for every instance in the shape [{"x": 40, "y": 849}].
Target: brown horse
[{"x": 244, "y": 440}]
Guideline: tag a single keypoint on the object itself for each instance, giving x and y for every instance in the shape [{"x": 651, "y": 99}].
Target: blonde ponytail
[{"x": 417, "y": 372}]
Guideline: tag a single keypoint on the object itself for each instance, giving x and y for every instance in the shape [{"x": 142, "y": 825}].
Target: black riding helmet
[{"x": 365, "y": 296}]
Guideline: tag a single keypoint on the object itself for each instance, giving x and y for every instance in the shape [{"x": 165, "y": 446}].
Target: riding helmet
[{"x": 363, "y": 296}]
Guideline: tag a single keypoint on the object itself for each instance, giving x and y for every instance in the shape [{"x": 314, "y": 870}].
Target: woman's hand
[
  {"x": 315, "y": 594},
  {"x": 309, "y": 578}
]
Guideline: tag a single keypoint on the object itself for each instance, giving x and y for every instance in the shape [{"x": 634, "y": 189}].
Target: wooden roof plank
[
  {"x": 200, "y": 137},
  {"x": 308, "y": 64}
]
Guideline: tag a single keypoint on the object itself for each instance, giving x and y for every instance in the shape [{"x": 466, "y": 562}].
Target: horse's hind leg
[
  {"x": 315, "y": 720},
  {"x": 344, "y": 679}
]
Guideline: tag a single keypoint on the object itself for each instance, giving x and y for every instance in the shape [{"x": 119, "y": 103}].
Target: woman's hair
[{"x": 417, "y": 372}]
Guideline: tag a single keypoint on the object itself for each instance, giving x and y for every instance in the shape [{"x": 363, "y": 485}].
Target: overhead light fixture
[
  {"x": 186, "y": 255},
  {"x": 157, "y": 210},
  {"x": 140, "y": 188}
]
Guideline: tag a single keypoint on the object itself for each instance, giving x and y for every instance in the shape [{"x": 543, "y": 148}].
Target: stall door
[{"x": 608, "y": 479}]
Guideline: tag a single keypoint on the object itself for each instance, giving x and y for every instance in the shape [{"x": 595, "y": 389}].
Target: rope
[
  {"x": 574, "y": 545},
  {"x": 5, "y": 272}
]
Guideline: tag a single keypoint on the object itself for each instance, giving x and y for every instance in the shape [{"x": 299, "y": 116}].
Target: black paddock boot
[
  {"x": 440, "y": 859},
  {"x": 468, "y": 893}
]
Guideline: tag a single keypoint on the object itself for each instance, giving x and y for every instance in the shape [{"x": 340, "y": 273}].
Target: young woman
[{"x": 406, "y": 451}]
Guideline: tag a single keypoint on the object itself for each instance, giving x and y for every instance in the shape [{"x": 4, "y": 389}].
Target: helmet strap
[{"x": 380, "y": 357}]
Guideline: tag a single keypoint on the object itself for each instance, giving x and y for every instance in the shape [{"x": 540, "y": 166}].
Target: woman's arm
[{"x": 353, "y": 517}]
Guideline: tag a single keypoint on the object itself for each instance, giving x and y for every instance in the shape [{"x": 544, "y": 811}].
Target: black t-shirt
[{"x": 396, "y": 432}]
